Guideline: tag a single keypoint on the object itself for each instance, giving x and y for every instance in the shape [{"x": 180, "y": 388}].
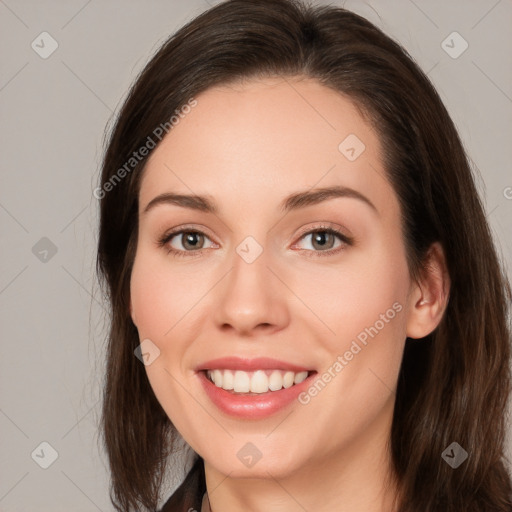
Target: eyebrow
[{"x": 294, "y": 201}]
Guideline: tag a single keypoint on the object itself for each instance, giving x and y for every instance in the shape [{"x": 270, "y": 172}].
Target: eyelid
[
  {"x": 330, "y": 227},
  {"x": 325, "y": 226},
  {"x": 184, "y": 228}
]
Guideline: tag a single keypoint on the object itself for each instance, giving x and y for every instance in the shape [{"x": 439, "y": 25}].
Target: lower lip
[{"x": 252, "y": 407}]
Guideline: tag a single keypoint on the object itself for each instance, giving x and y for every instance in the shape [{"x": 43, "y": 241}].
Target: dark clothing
[{"x": 189, "y": 495}]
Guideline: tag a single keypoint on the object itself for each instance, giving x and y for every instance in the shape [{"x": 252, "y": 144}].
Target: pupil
[
  {"x": 321, "y": 236},
  {"x": 190, "y": 239}
]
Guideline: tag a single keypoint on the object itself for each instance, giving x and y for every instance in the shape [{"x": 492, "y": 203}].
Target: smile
[
  {"x": 260, "y": 381},
  {"x": 253, "y": 388}
]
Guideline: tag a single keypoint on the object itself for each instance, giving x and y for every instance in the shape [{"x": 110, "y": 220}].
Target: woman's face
[{"x": 264, "y": 279}]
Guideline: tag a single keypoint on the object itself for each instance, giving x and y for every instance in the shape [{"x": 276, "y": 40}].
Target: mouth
[
  {"x": 253, "y": 389},
  {"x": 240, "y": 382}
]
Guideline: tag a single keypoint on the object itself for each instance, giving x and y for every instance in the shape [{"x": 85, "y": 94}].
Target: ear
[{"x": 428, "y": 298}]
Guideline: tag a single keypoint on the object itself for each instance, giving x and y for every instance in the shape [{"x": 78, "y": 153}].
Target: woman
[{"x": 302, "y": 281}]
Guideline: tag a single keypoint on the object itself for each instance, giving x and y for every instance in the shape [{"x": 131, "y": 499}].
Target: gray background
[{"x": 54, "y": 112}]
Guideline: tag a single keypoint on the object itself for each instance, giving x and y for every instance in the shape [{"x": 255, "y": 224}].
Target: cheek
[
  {"x": 157, "y": 296},
  {"x": 159, "y": 309},
  {"x": 356, "y": 383},
  {"x": 364, "y": 307},
  {"x": 349, "y": 297}
]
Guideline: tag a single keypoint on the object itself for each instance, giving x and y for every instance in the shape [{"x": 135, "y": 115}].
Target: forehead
[{"x": 260, "y": 140}]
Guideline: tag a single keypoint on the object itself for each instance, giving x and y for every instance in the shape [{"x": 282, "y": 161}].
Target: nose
[{"x": 251, "y": 298}]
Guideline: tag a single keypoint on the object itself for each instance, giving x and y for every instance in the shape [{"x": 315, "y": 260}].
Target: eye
[
  {"x": 323, "y": 238},
  {"x": 190, "y": 240}
]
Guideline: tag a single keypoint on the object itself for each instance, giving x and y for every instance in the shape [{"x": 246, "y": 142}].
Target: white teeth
[
  {"x": 300, "y": 377},
  {"x": 275, "y": 381},
  {"x": 288, "y": 379},
  {"x": 260, "y": 381},
  {"x": 217, "y": 378},
  {"x": 242, "y": 382},
  {"x": 228, "y": 380}
]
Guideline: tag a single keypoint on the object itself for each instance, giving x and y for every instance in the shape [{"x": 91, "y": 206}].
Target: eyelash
[{"x": 345, "y": 239}]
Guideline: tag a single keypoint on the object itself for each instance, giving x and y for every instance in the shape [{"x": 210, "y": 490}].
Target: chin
[{"x": 252, "y": 462}]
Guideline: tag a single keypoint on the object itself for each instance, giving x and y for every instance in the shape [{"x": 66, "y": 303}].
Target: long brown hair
[{"x": 453, "y": 384}]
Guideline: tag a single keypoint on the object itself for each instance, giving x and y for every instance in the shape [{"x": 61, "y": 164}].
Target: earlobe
[{"x": 429, "y": 298}]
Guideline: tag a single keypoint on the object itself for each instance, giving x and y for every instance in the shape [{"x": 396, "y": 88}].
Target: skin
[{"x": 248, "y": 146}]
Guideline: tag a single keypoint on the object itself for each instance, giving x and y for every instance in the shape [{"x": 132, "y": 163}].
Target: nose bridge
[{"x": 249, "y": 296}]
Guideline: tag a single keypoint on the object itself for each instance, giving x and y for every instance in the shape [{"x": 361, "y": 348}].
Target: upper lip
[{"x": 259, "y": 363}]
